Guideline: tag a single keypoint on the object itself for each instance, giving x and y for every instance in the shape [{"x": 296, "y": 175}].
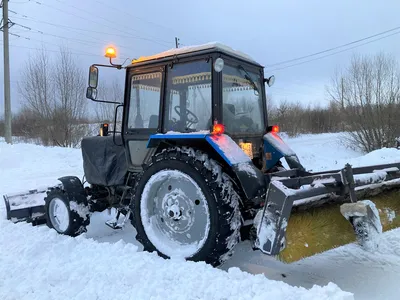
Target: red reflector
[
  {"x": 218, "y": 129},
  {"x": 275, "y": 128}
]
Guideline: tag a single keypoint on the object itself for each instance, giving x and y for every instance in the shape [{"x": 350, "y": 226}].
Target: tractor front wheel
[
  {"x": 186, "y": 207},
  {"x": 66, "y": 217}
]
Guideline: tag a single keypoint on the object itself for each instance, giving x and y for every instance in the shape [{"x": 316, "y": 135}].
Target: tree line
[
  {"x": 55, "y": 111},
  {"x": 364, "y": 101}
]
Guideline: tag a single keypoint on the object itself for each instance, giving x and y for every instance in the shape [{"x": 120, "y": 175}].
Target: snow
[
  {"x": 196, "y": 48},
  {"x": 323, "y": 181},
  {"x": 276, "y": 141},
  {"x": 246, "y": 167},
  {"x": 376, "y": 177},
  {"x": 37, "y": 263},
  {"x": 81, "y": 209},
  {"x": 20, "y": 200},
  {"x": 329, "y": 151}
]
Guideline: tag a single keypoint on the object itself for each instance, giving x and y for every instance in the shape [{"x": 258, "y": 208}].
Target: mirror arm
[
  {"x": 108, "y": 66},
  {"x": 115, "y": 65},
  {"x": 105, "y": 101}
]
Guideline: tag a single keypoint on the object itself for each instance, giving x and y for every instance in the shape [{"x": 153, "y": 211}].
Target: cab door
[{"x": 142, "y": 113}]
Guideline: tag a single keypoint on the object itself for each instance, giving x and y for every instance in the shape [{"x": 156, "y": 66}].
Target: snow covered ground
[{"x": 36, "y": 263}]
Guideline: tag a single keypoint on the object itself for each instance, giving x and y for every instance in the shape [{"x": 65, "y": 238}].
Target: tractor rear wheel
[{"x": 185, "y": 206}]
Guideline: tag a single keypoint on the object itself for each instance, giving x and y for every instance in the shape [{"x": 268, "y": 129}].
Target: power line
[
  {"x": 84, "y": 42},
  {"x": 136, "y": 17},
  {"x": 47, "y": 50},
  {"x": 19, "y": 2},
  {"x": 333, "y": 48},
  {"x": 159, "y": 42},
  {"x": 111, "y": 21},
  {"x": 79, "y": 29},
  {"x": 334, "y": 53}
]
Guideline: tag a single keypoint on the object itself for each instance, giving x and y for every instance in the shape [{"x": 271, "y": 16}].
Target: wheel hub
[
  {"x": 175, "y": 212},
  {"x": 178, "y": 211}
]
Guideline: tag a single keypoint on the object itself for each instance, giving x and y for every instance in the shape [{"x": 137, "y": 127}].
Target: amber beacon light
[{"x": 111, "y": 52}]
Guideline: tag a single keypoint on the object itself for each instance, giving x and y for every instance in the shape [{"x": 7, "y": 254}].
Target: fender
[
  {"x": 275, "y": 149},
  {"x": 251, "y": 179},
  {"x": 73, "y": 187}
]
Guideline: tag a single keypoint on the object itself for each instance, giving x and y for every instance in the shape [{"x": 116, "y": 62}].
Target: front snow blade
[
  {"x": 26, "y": 207},
  {"x": 305, "y": 214}
]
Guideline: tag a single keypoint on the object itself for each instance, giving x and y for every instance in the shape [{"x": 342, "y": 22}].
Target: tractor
[{"x": 196, "y": 167}]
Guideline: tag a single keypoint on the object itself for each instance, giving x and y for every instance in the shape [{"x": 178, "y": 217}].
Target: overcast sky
[{"x": 269, "y": 31}]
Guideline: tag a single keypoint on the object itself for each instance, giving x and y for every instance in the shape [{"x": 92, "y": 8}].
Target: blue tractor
[{"x": 195, "y": 168}]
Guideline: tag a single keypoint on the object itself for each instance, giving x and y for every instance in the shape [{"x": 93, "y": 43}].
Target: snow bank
[
  {"x": 327, "y": 151},
  {"x": 37, "y": 263}
]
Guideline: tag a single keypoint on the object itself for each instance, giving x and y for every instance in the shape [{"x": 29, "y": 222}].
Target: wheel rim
[
  {"x": 59, "y": 214},
  {"x": 174, "y": 213}
]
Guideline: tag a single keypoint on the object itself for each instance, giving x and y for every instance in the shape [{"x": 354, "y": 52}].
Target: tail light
[
  {"x": 273, "y": 128},
  {"x": 218, "y": 129}
]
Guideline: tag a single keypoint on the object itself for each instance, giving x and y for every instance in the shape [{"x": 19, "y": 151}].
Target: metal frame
[{"x": 334, "y": 186}]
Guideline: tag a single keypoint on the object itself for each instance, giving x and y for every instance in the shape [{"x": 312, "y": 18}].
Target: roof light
[
  {"x": 275, "y": 128},
  {"x": 218, "y": 129},
  {"x": 111, "y": 52}
]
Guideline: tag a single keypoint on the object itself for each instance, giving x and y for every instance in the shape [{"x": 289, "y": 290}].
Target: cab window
[
  {"x": 144, "y": 102},
  {"x": 188, "y": 97}
]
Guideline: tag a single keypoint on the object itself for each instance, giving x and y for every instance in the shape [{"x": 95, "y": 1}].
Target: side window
[
  {"x": 188, "y": 97},
  {"x": 144, "y": 101}
]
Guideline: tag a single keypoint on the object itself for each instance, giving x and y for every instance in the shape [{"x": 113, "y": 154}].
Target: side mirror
[
  {"x": 91, "y": 93},
  {"x": 270, "y": 80},
  {"x": 93, "y": 77}
]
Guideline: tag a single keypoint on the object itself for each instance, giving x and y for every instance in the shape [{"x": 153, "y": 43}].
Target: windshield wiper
[{"x": 247, "y": 77}]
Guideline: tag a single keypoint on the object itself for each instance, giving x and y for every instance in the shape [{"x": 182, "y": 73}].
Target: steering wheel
[{"x": 191, "y": 121}]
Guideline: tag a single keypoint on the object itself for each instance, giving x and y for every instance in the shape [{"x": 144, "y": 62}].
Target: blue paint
[
  {"x": 275, "y": 156},
  {"x": 218, "y": 149},
  {"x": 228, "y": 149},
  {"x": 222, "y": 144}
]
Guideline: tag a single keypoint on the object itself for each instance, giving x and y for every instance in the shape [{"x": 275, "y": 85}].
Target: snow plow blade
[
  {"x": 26, "y": 207},
  {"x": 309, "y": 213}
]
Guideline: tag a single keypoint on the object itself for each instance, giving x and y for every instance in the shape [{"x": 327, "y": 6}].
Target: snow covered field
[{"x": 36, "y": 263}]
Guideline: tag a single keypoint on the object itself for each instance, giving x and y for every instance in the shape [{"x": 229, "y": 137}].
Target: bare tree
[
  {"x": 53, "y": 91},
  {"x": 368, "y": 94}
]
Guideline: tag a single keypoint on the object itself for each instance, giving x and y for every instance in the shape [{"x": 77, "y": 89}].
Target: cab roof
[{"x": 205, "y": 48}]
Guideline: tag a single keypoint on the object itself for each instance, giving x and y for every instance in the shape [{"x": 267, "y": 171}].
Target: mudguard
[
  {"x": 73, "y": 187},
  {"x": 251, "y": 178},
  {"x": 275, "y": 149}
]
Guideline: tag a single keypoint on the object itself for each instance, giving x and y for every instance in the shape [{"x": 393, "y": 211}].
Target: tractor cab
[{"x": 193, "y": 90}]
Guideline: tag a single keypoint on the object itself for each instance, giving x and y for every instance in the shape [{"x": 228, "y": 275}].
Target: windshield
[{"x": 242, "y": 101}]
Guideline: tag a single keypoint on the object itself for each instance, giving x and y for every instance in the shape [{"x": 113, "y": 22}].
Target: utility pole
[
  {"x": 7, "y": 100},
  {"x": 177, "y": 42}
]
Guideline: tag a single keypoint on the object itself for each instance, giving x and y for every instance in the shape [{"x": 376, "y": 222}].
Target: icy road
[{"x": 36, "y": 263}]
